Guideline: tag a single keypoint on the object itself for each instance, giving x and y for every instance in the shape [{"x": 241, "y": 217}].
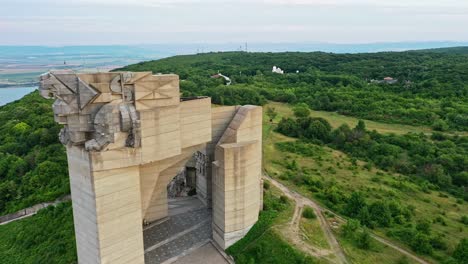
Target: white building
[{"x": 277, "y": 70}]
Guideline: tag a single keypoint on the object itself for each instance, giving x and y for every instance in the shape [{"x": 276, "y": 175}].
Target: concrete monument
[{"x": 127, "y": 134}]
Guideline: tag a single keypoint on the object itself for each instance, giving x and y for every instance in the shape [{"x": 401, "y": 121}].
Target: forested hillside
[
  {"x": 432, "y": 86},
  {"x": 33, "y": 164}
]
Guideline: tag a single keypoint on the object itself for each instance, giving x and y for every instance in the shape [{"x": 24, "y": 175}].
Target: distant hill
[
  {"x": 417, "y": 65},
  {"x": 452, "y": 50}
]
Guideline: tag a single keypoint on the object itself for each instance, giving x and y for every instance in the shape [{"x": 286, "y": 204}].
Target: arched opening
[
  {"x": 188, "y": 223},
  {"x": 182, "y": 193}
]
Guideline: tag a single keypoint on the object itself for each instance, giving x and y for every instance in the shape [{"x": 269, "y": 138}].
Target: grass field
[
  {"x": 334, "y": 167},
  {"x": 337, "y": 120}
]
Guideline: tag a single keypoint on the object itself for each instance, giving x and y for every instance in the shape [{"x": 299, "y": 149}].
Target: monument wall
[{"x": 127, "y": 136}]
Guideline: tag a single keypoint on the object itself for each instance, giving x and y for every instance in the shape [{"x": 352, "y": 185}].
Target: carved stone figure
[{"x": 93, "y": 125}]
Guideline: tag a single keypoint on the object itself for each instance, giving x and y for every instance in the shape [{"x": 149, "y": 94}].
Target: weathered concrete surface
[{"x": 187, "y": 225}]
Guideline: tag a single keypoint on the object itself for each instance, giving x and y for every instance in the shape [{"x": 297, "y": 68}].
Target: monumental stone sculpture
[{"x": 127, "y": 134}]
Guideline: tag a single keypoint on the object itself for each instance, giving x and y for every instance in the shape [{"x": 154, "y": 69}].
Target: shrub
[
  {"x": 403, "y": 260},
  {"x": 363, "y": 240},
  {"x": 464, "y": 219},
  {"x": 301, "y": 110},
  {"x": 461, "y": 252},
  {"x": 308, "y": 213},
  {"x": 421, "y": 244},
  {"x": 284, "y": 199},
  {"x": 438, "y": 243},
  {"x": 440, "y": 125},
  {"x": 349, "y": 229}
]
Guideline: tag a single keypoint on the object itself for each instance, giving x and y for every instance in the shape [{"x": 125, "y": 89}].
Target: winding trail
[
  {"x": 293, "y": 232},
  {"x": 300, "y": 202},
  {"x": 335, "y": 246},
  {"x": 401, "y": 250}
]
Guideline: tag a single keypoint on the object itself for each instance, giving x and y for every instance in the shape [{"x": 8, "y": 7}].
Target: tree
[
  {"x": 361, "y": 126},
  {"x": 350, "y": 228},
  {"x": 318, "y": 130},
  {"x": 464, "y": 219},
  {"x": 21, "y": 128},
  {"x": 461, "y": 252},
  {"x": 271, "y": 113},
  {"x": 363, "y": 239},
  {"x": 424, "y": 226},
  {"x": 440, "y": 125},
  {"x": 308, "y": 213},
  {"x": 301, "y": 110},
  {"x": 288, "y": 127},
  {"x": 380, "y": 213},
  {"x": 365, "y": 217},
  {"x": 421, "y": 244},
  {"x": 355, "y": 204}
]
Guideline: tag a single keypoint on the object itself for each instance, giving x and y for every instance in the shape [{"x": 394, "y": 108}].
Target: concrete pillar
[{"x": 107, "y": 211}]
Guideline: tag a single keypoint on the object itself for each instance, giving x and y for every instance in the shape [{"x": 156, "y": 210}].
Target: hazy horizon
[
  {"x": 191, "y": 48},
  {"x": 128, "y": 22}
]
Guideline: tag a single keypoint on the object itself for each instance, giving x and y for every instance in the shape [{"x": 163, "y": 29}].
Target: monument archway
[{"x": 127, "y": 135}]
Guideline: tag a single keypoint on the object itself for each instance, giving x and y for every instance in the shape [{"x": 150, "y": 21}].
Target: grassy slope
[
  {"x": 385, "y": 186},
  {"x": 337, "y": 120},
  {"x": 263, "y": 243},
  {"x": 378, "y": 253}
]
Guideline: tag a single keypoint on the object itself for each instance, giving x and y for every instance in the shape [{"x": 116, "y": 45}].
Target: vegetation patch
[
  {"x": 308, "y": 213},
  {"x": 263, "y": 244},
  {"x": 382, "y": 200},
  {"x": 33, "y": 164},
  {"x": 440, "y": 161},
  {"x": 312, "y": 233},
  {"x": 47, "y": 237}
]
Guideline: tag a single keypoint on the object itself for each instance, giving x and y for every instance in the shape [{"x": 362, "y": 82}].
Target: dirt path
[
  {"x": 388, "y": 243},
  {"x": 30, "y": 211},
  {"x": 402, "y": 251},
  {"x": 326, "y": 227},
  {"x": 328, "y": 232},
  {"x": 293, "y": 231}
]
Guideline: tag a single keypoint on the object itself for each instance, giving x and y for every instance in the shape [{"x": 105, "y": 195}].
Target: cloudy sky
[{"x": 65, "y": 22}]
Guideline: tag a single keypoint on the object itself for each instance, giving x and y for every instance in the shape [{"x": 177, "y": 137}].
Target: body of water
[{"x": 11, "y": 94}]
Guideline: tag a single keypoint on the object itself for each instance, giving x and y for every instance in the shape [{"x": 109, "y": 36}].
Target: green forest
[
  {"x": 431, "y": 87},
  {"x": 33, "y": 163},
  {"x": 45, "y": 238}
]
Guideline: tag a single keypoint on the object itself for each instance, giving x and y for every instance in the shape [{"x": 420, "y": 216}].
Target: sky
[{"x": 91, "y": 22}]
